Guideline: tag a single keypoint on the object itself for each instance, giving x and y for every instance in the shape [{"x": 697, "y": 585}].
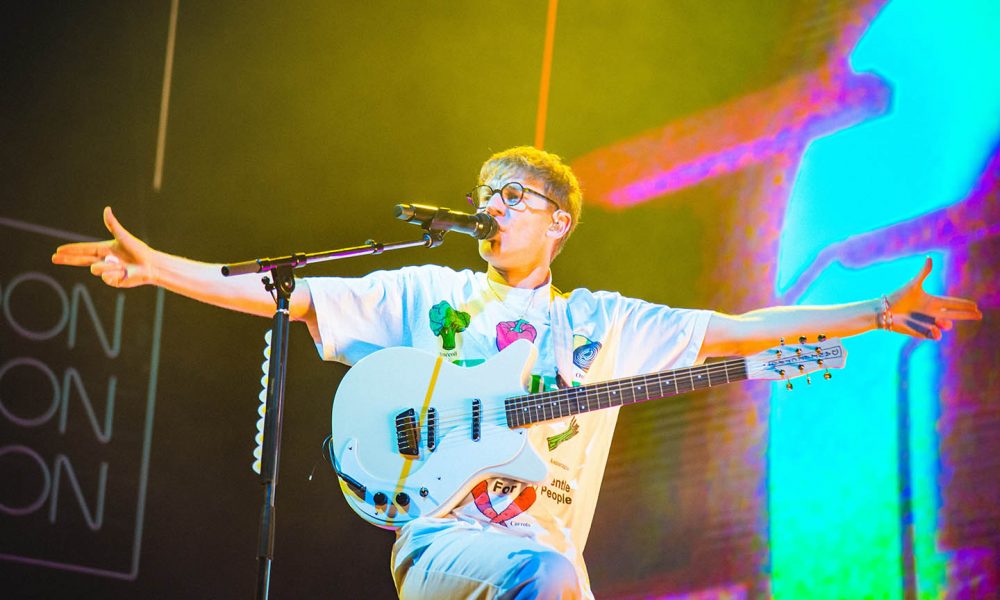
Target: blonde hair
[{"x": 560, "y": 182}]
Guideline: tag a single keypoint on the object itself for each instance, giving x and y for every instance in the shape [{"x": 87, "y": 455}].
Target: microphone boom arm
[{"x": 431, "y": 239}]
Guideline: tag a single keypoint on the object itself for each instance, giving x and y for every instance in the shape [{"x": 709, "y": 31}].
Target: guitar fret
[
  {"x": 723, "y": 377},
  {"x": 565, "y": 402},
  {"x": 632, "y": 394},
  {"x": 679, "y": 383},
  {"x": 703, "y": 379},
  {"x": 635, "y": 392}
]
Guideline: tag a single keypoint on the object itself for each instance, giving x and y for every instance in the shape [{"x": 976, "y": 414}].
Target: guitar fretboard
[{"x": 546, "y": 406}]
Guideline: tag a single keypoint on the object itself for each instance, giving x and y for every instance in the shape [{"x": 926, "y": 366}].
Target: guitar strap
[{"x": 562, "y": 338}]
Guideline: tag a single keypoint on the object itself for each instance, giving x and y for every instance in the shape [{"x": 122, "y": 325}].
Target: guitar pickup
[
  {"x": 477, "y": 419},
  {"x": 431, "y": 428},
  {"x": 407, "y": 433}
]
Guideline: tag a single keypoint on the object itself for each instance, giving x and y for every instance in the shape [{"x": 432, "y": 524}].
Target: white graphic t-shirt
[{"x": 581, "y": 337}]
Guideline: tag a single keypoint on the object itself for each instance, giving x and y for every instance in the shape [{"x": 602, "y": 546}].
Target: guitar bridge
[{"x": 407, "y": 433}]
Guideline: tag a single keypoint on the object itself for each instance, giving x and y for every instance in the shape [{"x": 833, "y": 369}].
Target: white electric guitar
[{"x": 413, "y": 433}]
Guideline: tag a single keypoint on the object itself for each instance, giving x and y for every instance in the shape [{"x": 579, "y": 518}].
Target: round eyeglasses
[{"x": 512, "y": 193}]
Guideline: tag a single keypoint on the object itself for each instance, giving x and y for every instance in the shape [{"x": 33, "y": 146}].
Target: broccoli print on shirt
[{"x": 445, "y": 322}]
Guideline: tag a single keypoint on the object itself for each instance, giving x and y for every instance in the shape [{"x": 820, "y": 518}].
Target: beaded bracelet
[{"x": 884, "y": 319}]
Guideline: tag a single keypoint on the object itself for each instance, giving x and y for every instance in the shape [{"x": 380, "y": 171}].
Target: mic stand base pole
[
  {"x": 282, "y": 270},
  {"x": 281, "y": 288}
]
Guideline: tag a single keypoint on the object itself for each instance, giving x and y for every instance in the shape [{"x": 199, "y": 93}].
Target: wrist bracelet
[{"x": 884, "y": 319}]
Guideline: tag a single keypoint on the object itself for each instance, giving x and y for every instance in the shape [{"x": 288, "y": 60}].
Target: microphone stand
[{"x": 281, "y": 288}]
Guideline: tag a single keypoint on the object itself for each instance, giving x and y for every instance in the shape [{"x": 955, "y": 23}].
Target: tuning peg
[
  {"x": 808, "y": 380},
  {"x": 827, "y": 375},
  {"x": 798, "y": 351},
  {"x": 788, "y": 385},
  {"x": 802, "y": 368},
  {"x": 781, "y": 372},
  {"x": 802, "y": 339},
  {"x": 781, "y": 341},
  {"x": 819, "y": 363},
  {"x": 821, "y": 337}
]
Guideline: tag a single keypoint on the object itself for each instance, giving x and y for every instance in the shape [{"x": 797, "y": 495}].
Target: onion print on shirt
[{"x": 584, "y": 352}]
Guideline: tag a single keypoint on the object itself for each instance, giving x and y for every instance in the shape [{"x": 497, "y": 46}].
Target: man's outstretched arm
[
  {"x": 911, "y": 311},
  {"x": 126, "y": 261}
]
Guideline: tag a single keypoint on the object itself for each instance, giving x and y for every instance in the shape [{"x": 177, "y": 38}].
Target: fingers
[
  {"x": 74, "y": 260},
  {"x": 925, "y": 271},
  {"x": 116, "y": 274},
  {"x": 963, "y": 311},
  {"x": 967, "y": 308},
  {"x": 114, "y": 278},
  {"x": 922, "y": 329},
  {"x": 81, "y": 254},
  {"x": 106, "y": 266},
  {"x": 110, "y": 273},
  {"x": 112, "y": 223},
  {"x": 953, "y": 308},
  {"x": 121, "y": 234}
]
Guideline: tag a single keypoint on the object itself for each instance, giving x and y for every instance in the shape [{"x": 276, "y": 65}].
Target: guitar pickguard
[{"x": 389, "y": 484}]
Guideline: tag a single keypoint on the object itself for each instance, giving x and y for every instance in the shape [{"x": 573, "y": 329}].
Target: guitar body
[{"x": 412, "y": 433}]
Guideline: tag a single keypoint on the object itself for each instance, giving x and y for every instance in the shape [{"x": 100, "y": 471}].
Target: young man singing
[{"x": 506, "y": 538}]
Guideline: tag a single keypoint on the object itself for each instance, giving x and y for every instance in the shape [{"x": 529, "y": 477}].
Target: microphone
[{"x": 480, "y": 225}]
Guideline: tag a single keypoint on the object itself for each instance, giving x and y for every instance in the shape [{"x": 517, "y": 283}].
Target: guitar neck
[{"x": 566, "y": 402}]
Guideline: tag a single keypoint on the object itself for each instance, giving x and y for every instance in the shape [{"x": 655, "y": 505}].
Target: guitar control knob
[
  {"x": 380, "y": 499},
  {"x": 403, "y": 499}
]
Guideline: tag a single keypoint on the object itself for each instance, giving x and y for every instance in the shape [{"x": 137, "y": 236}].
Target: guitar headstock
[{"x": 788, "y": 361}]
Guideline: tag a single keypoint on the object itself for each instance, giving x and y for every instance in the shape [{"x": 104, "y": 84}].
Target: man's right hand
[{"x": 125, "y": 261}]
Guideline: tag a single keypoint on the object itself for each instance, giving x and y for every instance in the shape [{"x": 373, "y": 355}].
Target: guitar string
[
  {"x": 496, "y": 414},
  {"x": 565, "y": 396},
  {"x": 501, "y": 427},
  {"x": 670, "y": 420},
  {"x": 563, "y": 399}
]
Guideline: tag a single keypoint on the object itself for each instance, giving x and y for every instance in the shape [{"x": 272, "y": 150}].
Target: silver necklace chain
[{"x": 527, "y": 306}]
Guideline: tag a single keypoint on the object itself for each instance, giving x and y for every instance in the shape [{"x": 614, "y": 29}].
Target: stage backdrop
[{"x": 733, "y": 155}]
